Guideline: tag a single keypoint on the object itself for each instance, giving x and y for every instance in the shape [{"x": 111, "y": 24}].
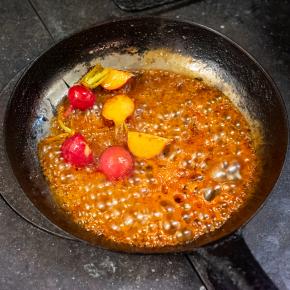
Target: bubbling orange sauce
[{"x": 206, "y": 173}]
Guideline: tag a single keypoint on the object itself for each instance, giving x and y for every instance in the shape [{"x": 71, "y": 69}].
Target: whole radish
[
  {"x": 116, "y": 163},
  {"x": 81, "y": 98},
  {"x": 76, "y": 151}
]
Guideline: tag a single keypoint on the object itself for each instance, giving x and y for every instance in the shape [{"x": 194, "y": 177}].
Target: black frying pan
[{"x": 226, "y": 264}]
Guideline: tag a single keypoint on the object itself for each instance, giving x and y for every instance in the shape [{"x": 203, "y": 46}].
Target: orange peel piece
[
  {"x": 115, "y": 79},
  {"x": 118, "y": 109},
  {"x": 144, "y": 145}
]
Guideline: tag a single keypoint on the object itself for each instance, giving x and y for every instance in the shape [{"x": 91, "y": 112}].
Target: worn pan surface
[{"x": 131, "y": 43}]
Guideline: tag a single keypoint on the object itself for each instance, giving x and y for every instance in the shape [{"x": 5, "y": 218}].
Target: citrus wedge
[
  {"x": 144, "y": 145},
  {"x": 115, "y": 79}
]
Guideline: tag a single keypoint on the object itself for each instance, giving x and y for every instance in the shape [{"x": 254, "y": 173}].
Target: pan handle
[{"x": 230, "y": 265}]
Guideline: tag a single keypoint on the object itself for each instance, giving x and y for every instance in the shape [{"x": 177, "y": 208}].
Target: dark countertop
[{"x": 32, "y": 259}]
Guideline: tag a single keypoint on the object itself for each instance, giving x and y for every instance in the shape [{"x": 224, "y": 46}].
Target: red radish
[
  {"x": 81, "y": 97},
  {"x": 76, "y": 151},
  {"x": 116, "y": 163}
]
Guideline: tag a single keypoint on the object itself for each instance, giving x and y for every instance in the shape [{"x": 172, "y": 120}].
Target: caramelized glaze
[{"x": 206, "y": 173}]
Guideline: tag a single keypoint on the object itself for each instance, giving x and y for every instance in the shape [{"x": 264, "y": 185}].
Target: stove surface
[{"x": 33, "y": 259}]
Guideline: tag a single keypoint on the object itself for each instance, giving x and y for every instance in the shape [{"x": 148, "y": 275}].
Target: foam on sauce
[{"x": 205, "y": 174}]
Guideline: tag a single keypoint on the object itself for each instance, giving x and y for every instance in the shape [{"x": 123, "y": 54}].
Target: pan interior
[{"x": 140, "y": 43}]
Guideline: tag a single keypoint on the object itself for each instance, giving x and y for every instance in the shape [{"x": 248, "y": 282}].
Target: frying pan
[{"x": 222, "y": 258}]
